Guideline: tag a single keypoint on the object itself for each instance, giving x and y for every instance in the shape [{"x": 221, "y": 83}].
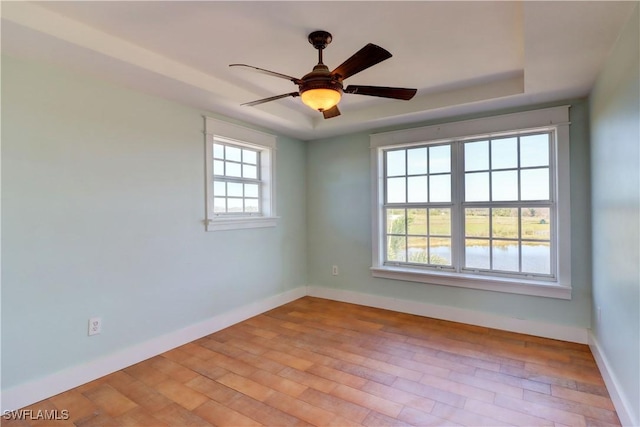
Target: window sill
[
  {"x": 241, "y": 223},
  {"x": 487, "y": 283}
]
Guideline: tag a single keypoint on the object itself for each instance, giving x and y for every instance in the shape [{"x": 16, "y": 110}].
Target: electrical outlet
[
  {"x": 95, "y": 326},
  {"x": 334, "y": 270}
]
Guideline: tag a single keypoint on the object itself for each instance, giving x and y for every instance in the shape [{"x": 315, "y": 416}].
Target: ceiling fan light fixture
[{"x": 321, "y": 99}]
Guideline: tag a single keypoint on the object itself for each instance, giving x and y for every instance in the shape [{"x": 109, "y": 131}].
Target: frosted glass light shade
[{"x": 321, "y": 99}]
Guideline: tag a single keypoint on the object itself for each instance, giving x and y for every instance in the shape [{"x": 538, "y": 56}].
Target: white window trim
[
  {"x": 263, "y": 142},
  {"x": 555, "y": 118}
]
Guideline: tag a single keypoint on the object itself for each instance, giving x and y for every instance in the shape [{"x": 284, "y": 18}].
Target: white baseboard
[
  {"x": 43, "y": 388},
  {"x": 530, "y": 327},
  {"x": 623, "y": 407}
]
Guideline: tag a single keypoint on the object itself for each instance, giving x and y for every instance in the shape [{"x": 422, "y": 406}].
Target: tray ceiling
[{"x": 464, "y": 57}]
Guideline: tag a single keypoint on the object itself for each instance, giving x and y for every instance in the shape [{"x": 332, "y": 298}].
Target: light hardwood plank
[{"x": 323, "y": 363}]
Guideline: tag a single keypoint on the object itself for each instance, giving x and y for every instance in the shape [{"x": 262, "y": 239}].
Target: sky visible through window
[{"x": 417, "y": 163}]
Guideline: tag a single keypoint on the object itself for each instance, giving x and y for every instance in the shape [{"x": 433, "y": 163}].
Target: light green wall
[
  {"x": 102, "y": 215},
  {"x": 615, "y": 164},
  {"x": 339, "y": 232},
  {"x": 103, "y": 202}
]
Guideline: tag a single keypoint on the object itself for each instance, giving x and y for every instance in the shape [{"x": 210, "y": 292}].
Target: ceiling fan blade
[
  {"x": 381, "y": 91},
  {"x": 272, "y": 98},
  {"x": 331, "y": 112},
  {"x": 366, "y": 57},
  {"x": 268, "y": 72}
]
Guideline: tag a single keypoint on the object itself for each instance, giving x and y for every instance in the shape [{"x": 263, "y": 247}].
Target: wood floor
[{"x": 325, "y": 363}]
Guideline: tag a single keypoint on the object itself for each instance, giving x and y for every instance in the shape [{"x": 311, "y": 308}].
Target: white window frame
[
  {"x": 265, "y": 144},
  {"x": 555, "y": 120}
]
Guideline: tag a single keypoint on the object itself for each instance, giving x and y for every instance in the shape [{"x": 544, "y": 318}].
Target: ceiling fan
[{"x": 322, "y": 89}]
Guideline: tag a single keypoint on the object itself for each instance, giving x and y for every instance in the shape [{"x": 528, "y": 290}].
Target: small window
[
  {"x": 236, "y": 179},
  {"x": 239, "y": 177}
]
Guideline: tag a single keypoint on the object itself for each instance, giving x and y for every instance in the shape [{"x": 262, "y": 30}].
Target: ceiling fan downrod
[{"x": 320, "y": 39}]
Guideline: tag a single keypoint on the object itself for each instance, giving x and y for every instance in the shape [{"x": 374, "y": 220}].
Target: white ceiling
[{"x": 463, "y": 57}]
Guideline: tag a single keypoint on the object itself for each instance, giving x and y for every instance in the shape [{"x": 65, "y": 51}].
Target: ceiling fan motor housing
[{"x": 320, "y": 78}]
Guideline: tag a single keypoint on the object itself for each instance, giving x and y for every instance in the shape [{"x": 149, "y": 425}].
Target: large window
[
  {"x": 486, "y": 210},
  {"x": 239, "y": 177}
]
